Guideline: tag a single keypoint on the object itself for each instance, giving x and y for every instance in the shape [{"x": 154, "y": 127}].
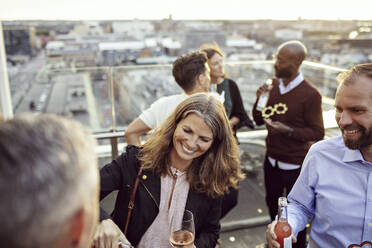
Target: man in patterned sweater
[{"x": 293, "y": 118}]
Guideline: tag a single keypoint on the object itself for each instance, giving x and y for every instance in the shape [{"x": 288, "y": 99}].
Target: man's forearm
[
  {"x": 135, "y": 130},
  {"x": 234, "y": 121},
  {"x": 133, "y": 139}
]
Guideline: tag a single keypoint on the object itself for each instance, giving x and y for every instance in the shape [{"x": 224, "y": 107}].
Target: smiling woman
[
  {"x": 188, "y": 163},
  {"x": 206, "y": 122},
  {"x": 191, "y": 139}
]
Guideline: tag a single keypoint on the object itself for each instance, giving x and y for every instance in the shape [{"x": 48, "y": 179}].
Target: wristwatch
[{"x": 290, "y": 132}]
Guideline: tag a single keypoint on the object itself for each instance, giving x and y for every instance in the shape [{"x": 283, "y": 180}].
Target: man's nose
[{"x": 344, "y": 119}]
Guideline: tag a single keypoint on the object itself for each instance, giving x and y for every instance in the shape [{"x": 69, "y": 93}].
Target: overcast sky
[{"x": 185, "y": 9}]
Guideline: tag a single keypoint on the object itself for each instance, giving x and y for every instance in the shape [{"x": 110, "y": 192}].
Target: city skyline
[{"x": 185, "y": 10}]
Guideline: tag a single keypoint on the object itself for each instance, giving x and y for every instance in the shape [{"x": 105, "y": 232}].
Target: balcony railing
[{"x": 106, "y": 99}]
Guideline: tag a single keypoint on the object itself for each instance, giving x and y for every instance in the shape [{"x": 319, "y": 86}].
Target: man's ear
[
  {"x": 201, "y": 81},
  {"x": 299, "y": 62},
  {"x": 76, "y": 227}
]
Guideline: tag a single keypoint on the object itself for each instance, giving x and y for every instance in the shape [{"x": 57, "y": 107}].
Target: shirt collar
[
  {"x": 352, "y": 155},
  {"x": 293, "y": 84}
]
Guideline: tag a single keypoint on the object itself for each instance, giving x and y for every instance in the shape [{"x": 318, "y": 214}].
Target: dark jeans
[{"x": 276, "y": 180}]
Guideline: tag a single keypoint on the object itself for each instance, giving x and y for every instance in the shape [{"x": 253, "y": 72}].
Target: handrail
[
  {"x": 108, "y": 134},
  {"x": 113, "y": 136},
  {"x": 323, "y": 66}
]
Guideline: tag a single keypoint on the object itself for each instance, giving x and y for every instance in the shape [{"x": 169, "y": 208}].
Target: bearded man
[{"x": 334, "y": 188}]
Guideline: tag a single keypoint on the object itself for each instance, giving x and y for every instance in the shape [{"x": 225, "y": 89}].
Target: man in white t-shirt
[{"x": 191, "y": 73}]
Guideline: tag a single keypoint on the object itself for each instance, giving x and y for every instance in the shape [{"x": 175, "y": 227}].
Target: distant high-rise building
[{"x": 19, "y": 40}]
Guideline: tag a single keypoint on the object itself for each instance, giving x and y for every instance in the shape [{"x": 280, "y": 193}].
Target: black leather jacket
[{"x": 120, "y": 175}]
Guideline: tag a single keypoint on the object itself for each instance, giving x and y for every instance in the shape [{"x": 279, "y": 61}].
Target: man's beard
[
  {"x": 364, "y": 140},
  {"x": 283, "y": 73}
]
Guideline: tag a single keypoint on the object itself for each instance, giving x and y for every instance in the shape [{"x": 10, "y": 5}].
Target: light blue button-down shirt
[{"x": 335, "y": 189}]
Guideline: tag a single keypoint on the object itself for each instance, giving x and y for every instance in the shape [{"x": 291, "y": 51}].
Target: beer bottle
[
  {"x": 262, "y": 101},
  {"x": 282, "y": 228}
]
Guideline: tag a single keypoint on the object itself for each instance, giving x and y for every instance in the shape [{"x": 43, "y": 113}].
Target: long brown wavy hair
[{"x": 214, "y": 171}]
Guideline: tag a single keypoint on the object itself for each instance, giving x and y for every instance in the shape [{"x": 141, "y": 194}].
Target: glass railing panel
[
  {"x": 324, "y": 78},
  {"x": 137, "y": 87},
  {"x": 22, "y": 84},
  {"x": 249, "y": 76},
  {"x": 81, "y": 94},
  {"x": 109, "y": 98}
]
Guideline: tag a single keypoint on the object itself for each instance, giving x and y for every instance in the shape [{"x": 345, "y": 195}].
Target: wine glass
[{"x": 183, "y": 231}]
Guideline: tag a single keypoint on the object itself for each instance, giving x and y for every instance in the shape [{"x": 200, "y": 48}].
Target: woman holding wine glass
[
  {"x": 183, "y": 233},
  {"x": 188, "y": 163}
]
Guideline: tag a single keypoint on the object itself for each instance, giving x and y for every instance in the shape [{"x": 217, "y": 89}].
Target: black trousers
[{"x": 276, "y": 181}]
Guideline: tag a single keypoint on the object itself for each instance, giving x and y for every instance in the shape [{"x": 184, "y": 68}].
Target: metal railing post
[
  {"x": 5, "y": 100},
  {"x": 114, "y": 140},
  {"x": 114, "y": 148}
]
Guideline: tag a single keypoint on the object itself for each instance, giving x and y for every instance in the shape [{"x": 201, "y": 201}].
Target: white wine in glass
[{"x": 183, "y": 234}]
